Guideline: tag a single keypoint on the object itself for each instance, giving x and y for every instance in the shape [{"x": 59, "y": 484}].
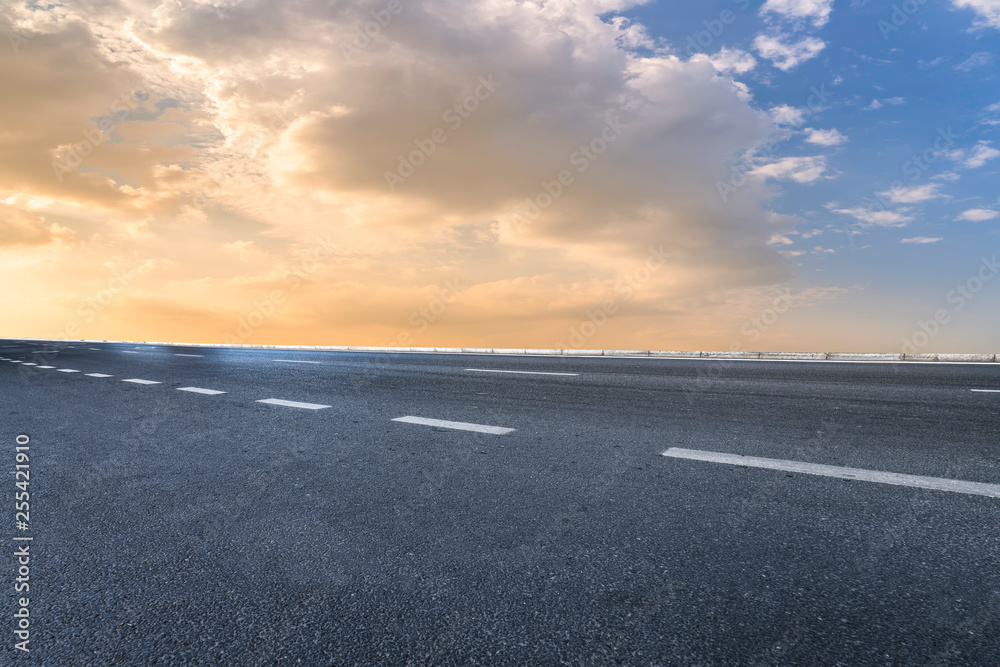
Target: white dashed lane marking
[
  {"x": 296, "y": 361},
  {"x": 67, "y": 370},
  {"x": 459, "y": 426},
  {"x": 189, "y": 355},
  {"x": 293, "y": 404},
  {"x": 488, "y": 370},
  {"x": 30, "y": 363},
  {"x": 46, "y": 366},
  {"x": 860, "y": 474},
  {"x": 988, "y": 391},
  {"x": 138, "y": 381},
  {"x": 129, "y": 352},
  {"x": 199, "y": 390},
  {"x": 99, "y": 375}
]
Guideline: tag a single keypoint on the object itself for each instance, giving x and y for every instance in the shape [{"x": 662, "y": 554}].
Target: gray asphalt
[{"x": 176, "y": 528}]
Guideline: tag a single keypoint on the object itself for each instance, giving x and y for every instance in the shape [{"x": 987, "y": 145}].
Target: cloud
[
  {"x": 798, "y": 169},
  {"x": 893, "y": 101},
  {"x": 733, "y": 60},
  {"x": 816, "y": 11},
  {"x": 988, "y": 11},
  {"x": 974, "y": 157},
  {"x": 787, "y": 115},
  {"x": 29, "y": 228},
  {"x": 786, "y": 54},
  {"x": 913, "y": 195},
  {"x": 876, "y": 218},
  {"x": 922, "y": 239},
  {"x": 258, "y": 135},
  {"x": 975, "y": 60},
  {"x": 830, "y": 137},
  {"x": 978, "y": 215}
]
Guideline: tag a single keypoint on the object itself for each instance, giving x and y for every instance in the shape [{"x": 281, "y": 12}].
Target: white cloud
[
  {"x": 874, "y": 218},
  {"x": 947, "y": 176},
  {"x": 830, "y": 137},
  {"x": 733, "y": 60},
  {"x": 975, "y": 60},
  {"x": 893, "y": 101},
  {"x": 816, "y": 11},
  {"x": 974, "y": 157},
  {"x": 913, "y": 195},
  {"x": 787, "y": 115},
  {"x": 979, "y": 215},
  {"x": 785, "y": 54},
  {"x": 987, "y": 10},
  {"x": 922, "y": 239},
  {"x": 798, "y": 169}
]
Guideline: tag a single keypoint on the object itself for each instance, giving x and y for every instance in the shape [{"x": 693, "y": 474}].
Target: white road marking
[
  {"x": 189, "y": 355},
  {"x": 46, "y": 366},
  {"x": 14, "y": 361},
  {"x": 99, "y": 375},
  {"x": 461, "y": 426},
  {"x": 296, "y": 361},
  {"x": 293, "y": 404},
  {"x": 97, "y": 349},
  {"x": 30, "y": 363},
  {"x": 129, "y": 352},
  {"x": 67, "y": 370},
  {"x": 860, "y": 474},
  {"x": 138, "y": 381},
  {"x": 489, "y": 370},
  {"x": 988, "y": 391},
  {"x": 199, "y": 390}
]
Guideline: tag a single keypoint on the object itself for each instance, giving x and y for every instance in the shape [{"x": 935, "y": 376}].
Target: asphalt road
[{"x": 178, "y": 527}]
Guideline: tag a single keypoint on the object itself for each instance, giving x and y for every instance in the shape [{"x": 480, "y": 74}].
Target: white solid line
[
  {"x": 293, "y": 404},
  {"x": 189, "y": 355},
  {"x": 490, "y": 370},
  {"x": 988, "y": 391},
  {"x": 138, "y": 381},
  {"x": 461, "y": 426},
  {"x": 99, "y": 375},
  {"x": 295, "y": 361},
  {"x": 898, "y": 479},
  {"x": 199, "y": 390},
  {"x": 67, "y": 370}
]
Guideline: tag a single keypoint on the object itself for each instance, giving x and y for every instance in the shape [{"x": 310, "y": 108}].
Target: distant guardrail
[{"x": 677, "y": 354}]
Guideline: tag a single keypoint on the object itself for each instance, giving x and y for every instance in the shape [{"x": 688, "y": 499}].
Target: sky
[{"x": 788, "y": 175}]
